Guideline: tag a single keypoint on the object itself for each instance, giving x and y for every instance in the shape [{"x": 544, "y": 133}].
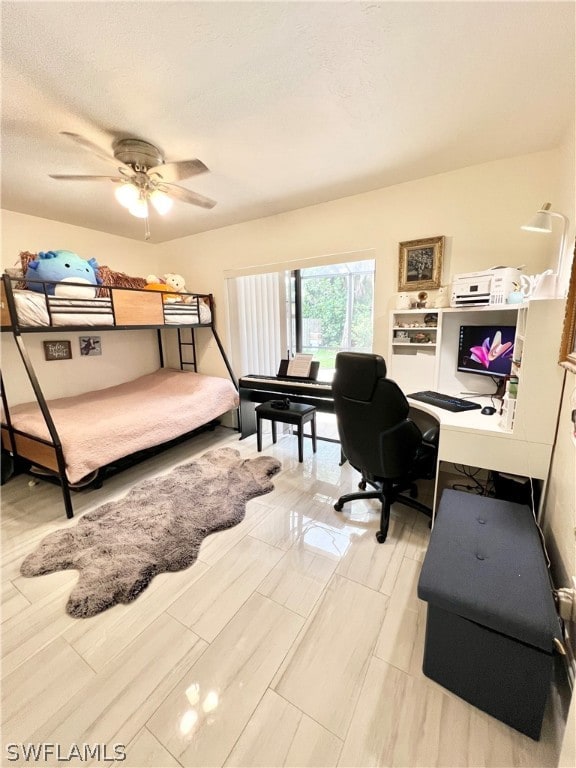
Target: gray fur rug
[{"x": 159, "y": 526}]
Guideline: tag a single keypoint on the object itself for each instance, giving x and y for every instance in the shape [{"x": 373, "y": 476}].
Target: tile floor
[{"x": 294, "y": 640}]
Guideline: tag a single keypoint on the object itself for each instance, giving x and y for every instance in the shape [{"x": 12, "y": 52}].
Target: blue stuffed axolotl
[{"x": 63, "y": 267}]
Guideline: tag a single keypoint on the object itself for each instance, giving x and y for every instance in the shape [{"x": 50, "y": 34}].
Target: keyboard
[
  {"x": 288, "y": 380},
  {"x": 448, "y": 402}
]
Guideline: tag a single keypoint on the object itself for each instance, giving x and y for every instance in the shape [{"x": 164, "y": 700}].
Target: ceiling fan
[{"x": 143, "y": 176}]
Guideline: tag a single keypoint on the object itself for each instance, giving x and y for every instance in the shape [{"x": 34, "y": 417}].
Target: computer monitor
[{"x": 486, "y": 349}]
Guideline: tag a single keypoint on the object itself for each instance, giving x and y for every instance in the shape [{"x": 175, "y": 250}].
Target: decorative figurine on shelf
[
  {"x": 442, "y": 298},
  {"x": 516, "y": 296},
  {"x": 422, "y": 299},
  {"x": 534, "y": 286},
  {"x": 403, "y": 301},
  {"x": 431, "y": 320}
]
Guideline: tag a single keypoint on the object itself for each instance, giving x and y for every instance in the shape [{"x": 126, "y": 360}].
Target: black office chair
[{"x": 378, "y": 438}]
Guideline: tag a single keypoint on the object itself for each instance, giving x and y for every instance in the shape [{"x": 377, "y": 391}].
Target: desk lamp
[{"x": 542, "y": 222}]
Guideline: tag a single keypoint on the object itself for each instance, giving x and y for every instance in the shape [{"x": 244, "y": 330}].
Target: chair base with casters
[{"x": 388, "y": 493}]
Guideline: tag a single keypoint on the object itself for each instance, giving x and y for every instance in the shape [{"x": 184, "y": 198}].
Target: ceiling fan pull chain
[{"x": 146, "y": 228}]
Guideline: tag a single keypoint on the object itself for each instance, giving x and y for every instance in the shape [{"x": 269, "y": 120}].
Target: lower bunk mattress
[{"x": 102, "y": 426}]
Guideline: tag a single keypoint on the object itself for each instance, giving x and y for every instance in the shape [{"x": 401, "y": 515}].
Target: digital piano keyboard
[{"x": 258, "y": 389}]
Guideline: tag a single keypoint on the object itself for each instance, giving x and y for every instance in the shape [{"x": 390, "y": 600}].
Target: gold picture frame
[
  {"x": 568, "y": 343},
  {"x": 420, "y": 264}
]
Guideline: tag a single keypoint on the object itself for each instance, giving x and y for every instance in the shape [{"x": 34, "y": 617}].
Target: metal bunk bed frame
[{"x": 13, "y": 435}]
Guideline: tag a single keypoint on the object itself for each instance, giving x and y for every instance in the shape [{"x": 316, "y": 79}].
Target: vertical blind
[{"x": 257, "y": 322}]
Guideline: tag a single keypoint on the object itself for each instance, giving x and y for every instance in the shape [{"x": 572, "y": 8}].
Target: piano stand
[
  {"x": 296, "y": 414},
  {"x": 259, "y": 389}
]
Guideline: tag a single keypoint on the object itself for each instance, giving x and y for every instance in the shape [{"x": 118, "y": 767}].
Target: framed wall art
[
  {"x": 57, "y": 350},
  {"x": 420, "y": 264},
  {"x": 90, "y": 345},
  {"x": 568, "y": 344}
]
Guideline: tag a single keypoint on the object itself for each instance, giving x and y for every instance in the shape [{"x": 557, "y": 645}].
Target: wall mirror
[{"x": 568, "y": 345}]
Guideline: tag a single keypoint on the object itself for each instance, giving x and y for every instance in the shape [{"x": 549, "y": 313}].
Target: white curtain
[{"x": 257, "y": 323}]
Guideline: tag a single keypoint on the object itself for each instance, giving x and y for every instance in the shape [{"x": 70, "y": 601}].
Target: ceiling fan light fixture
[
  {"x": 161, "y": 202},
  {"x": 127, "y": 195},
  {"x": 142, "y": 177},
  {"x": 139, "y": 208}
]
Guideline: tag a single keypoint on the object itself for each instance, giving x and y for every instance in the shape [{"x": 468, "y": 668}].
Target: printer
[{"x": 482, "y": 289}]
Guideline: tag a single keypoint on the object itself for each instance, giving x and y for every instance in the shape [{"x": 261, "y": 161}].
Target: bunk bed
[{"x": 74, "y": 437}]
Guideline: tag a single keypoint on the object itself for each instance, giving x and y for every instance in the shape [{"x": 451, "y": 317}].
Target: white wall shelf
[
  {"x": 531, "y": 415},
  {"x": 415, "y": 328},
  {"x": 413, "y": 344},
  {"x": 413, "y": 363}
]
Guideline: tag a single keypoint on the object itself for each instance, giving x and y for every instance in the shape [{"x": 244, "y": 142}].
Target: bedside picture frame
[
  {"x": 568, "y": 344},
  {"x": 57, "y": 350},
  {"x": 420, "y": 264}
]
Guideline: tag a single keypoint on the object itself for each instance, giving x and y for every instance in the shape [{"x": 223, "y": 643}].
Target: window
[
  {"x": 329, "y": 309},
  {"x": 316, "y": 310}
]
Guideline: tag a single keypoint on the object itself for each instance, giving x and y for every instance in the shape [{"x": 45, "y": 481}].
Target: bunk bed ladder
[
  {"x": 54, "y": 438},
  {"x": 181, "y": 349},
  {"x": 182, "y": 344}
]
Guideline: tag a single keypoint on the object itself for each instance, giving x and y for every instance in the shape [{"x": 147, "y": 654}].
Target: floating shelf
[{"x": 413, "y": 344}]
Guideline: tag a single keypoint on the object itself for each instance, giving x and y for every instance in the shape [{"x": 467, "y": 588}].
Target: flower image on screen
[{"x": 486, "y": 349}]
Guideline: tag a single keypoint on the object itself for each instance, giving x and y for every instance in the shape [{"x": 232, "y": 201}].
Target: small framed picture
[
  {"x": 57, "y": 350},
  {"x": 420, "y": 264},
  {"x": 90, "y": 345}
]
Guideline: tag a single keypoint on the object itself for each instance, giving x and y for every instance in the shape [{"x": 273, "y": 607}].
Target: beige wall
[
  {"x": 478, "y": 209},
  {"x": 560, "y": 510},
  {"x": 31, "y": 233},
  {"x": 124, "y": 355},
  {"x": 560, "y": 513}
]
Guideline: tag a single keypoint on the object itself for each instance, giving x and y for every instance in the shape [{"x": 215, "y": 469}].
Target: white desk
[{"x": 476, "y": 440}]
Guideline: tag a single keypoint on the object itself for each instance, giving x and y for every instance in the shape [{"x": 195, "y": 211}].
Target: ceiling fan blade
[
  {"x": 72, "y": 177},
  {"x": 94, "y": 148},
  {"x": 186, "y": 195},
  {"x": 181, "y": 169}
]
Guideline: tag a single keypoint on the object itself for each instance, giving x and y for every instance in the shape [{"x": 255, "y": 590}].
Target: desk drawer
[{"x": 491, "y": 452}]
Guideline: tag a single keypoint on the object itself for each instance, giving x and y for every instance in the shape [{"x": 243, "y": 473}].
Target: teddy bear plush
[
  {"x": 171, "y": 284},
  {"x": 63, "y": 267}
]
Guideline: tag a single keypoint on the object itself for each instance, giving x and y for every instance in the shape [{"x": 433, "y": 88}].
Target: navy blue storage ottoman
[{"x": 491, "y": 618}]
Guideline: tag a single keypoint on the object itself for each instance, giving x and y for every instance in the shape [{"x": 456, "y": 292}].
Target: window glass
[{"x": 337, "y": 304}]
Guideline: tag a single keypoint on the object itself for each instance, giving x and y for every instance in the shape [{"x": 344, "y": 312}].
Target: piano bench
[{"x": 296, "y": 413}]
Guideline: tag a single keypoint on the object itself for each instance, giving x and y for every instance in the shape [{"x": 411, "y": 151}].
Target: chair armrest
[{"x": 431, "y": 436}]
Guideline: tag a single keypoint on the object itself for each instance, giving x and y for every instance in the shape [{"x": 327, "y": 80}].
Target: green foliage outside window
[{"x": 339, "y": 308}]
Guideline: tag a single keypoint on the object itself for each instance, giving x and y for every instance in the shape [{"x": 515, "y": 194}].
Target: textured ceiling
[{"x": 288, "y": 103}]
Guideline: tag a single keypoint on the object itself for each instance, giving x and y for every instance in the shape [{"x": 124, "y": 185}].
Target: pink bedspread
[{"x": 99, "y": 427}]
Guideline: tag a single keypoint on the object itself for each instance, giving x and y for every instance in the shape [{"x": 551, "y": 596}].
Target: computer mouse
[{"x": 488, "y": 410}]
